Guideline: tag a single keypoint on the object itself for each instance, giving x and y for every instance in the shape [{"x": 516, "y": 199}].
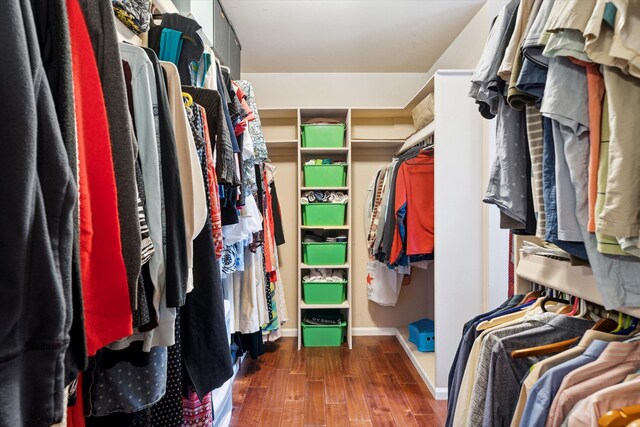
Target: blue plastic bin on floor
[{"x": 421, "y": 334}]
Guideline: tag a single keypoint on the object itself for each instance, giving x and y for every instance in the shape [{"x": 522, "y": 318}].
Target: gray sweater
[{"x": 102, "y": 30}]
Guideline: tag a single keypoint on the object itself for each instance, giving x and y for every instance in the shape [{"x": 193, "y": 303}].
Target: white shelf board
[
  {"x": 577, "y": 281},
  {"x": 345, "y": 265},
  {"x": 418, "y": 136},
  {"x": 344, "y": 304},
  {"x": 377, "y": 143},
  {"x": 312, "y": 150},
  {"x": 425, "y": 363},
  {"x": 324, "y": 188}
]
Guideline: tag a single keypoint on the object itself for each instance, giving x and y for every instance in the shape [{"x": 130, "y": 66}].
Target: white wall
[
  {"x": 371, "y": 90},
  {"x": 353, "y": 90},
  {"x": 466, "y": 49}
]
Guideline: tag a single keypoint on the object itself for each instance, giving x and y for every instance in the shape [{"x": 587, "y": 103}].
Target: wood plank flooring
[{"x": 374, "y": 384}]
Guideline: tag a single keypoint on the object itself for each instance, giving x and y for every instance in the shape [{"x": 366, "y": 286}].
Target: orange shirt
[{"x": 414, "y": 197}]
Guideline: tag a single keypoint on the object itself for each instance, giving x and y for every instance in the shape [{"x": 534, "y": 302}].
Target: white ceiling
[{"x": 280, "y": 36}]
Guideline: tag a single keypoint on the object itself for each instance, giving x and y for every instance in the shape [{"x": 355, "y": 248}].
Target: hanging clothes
[
  {"x": 125, "y": 212},
  {"x": 561, "y": 57},
  {"x": 413, "y": 208}
]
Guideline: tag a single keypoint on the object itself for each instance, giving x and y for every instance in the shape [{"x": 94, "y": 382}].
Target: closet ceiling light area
[{"x": 349, "y": 36}]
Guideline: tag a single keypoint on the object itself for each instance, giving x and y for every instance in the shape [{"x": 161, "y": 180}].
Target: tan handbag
[{"x": 423, "y": 112}]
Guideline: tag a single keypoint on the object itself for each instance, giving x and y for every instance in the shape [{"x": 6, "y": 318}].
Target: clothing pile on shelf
[
  {"x": 398, "y": 218},
  {"x": 328, "y": 317},
  {"x": 324, "y": 275},
  {"x": 319, "y": 196},
  {"x": 567, "y": 369},
  {"x": 563, "y": 79},
  {"x": 547, "y": 250},
  {"x": 324, "y": 162},
  {"x": 135, "y": 174},
  {"x": 328, "y": 237}
]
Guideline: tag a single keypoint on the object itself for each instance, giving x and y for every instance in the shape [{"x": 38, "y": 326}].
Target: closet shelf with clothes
[
  {"x": 324, "y": 218},
  {"x": 559, "y": 275}
]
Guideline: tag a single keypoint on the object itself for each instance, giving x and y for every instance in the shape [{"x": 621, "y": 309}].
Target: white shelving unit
[
  {"x": 342, "y": 153},
  {"x": 459, "y": 267}
]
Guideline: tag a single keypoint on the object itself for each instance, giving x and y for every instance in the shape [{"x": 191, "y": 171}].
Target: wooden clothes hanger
[
  {"x": 620, "y": 417},
  {"x": 530, "y": 296},
  {"x": 542, "y": 350},
  {"x": 605, "y": 325}
]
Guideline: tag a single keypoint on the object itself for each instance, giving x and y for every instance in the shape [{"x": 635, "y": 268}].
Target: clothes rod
[{"x": 417, "y": 137}]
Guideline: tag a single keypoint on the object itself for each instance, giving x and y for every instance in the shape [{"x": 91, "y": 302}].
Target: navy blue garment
[
  {"x": 469, "y": 334},
  {"x": 532, "y": 80},
  {"x": 576, "y": 249}
]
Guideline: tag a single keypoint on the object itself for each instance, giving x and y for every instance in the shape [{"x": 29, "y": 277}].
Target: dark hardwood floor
[{"x": 374, "y": 384}]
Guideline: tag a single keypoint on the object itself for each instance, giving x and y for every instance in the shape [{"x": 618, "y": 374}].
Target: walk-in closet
[{"x": 320, "y": 213}]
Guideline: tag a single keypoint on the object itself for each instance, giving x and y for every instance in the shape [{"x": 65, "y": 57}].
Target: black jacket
[{"x": 38, "y": 194}]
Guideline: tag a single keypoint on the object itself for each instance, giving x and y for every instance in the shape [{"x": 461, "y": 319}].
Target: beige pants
[{"x": 621, "y": 214}]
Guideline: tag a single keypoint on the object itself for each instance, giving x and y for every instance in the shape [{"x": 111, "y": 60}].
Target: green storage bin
[
  {"x": 324, "y": 253},
  {"x": 323, "y": 336},
  {"x": 325, "y": 175},
  {"x": 324, "y": 292},
  {"x": 324, "y": 214},
  {"x": 323, "y": 135}
]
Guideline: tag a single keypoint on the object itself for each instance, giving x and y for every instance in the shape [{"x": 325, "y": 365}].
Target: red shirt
[
  {"x": 104, "y": 279},
  {"x": 414, "y": 194}
]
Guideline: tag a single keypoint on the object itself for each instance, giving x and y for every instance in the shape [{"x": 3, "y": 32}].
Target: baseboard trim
[
  {"x": 439, "y": 393},
  {"x": 372, "y": 331},
  {"x": 289, "y": 332}
]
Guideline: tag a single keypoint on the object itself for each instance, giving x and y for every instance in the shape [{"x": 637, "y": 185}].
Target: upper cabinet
[
  {"x": 218, "y": 29},
  {"x": 221, "y": 31},
  {"x": 235, "y": 55}
]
